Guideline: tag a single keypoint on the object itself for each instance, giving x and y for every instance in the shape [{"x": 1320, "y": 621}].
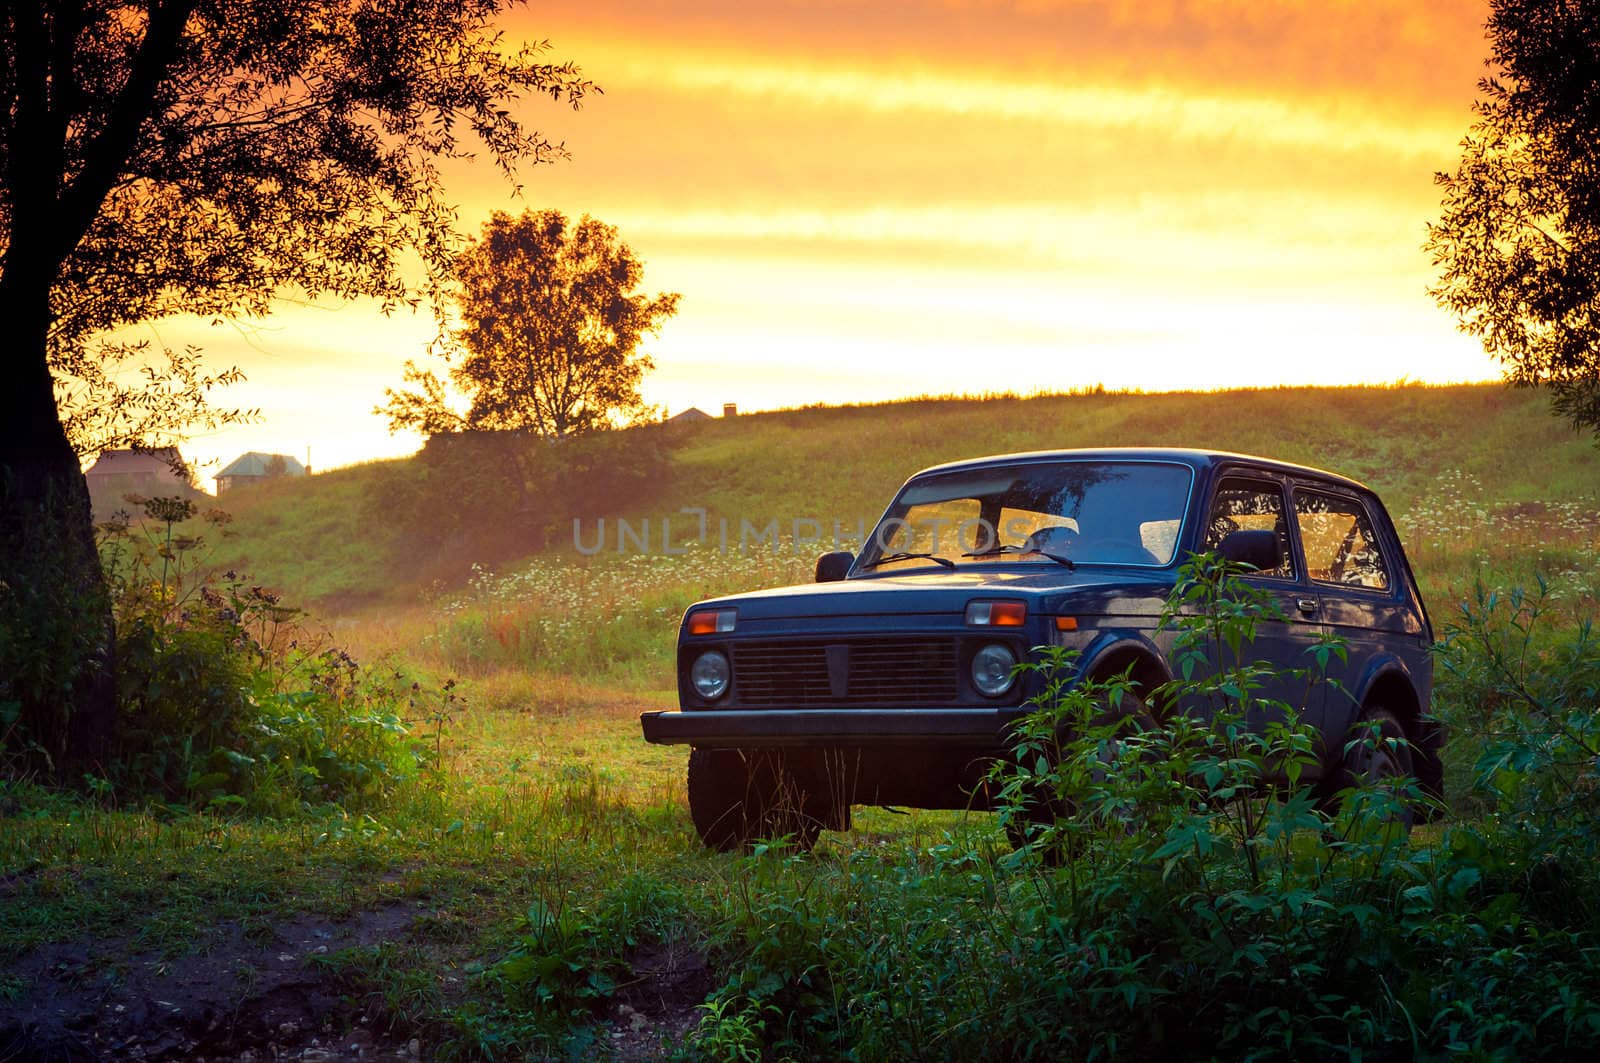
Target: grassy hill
[{"x": 321, "y": 540}]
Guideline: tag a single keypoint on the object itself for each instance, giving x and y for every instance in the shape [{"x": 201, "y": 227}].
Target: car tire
[
  {"x": 1028, "y": 826},
  {"x": 1375, "y": 763},
  {"x": 737, "y": 797}
]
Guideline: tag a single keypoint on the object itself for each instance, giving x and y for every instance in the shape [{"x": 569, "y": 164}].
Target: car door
[
  {"x": 1252, "y": 500},
  {"x": 1357, "y": 585}
]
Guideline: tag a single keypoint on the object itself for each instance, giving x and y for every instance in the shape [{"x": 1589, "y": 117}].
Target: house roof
[
  {"x": 158, "y": 462},
  {"x": 255, "y": 463},
  {"x": 693, "y": 413}
]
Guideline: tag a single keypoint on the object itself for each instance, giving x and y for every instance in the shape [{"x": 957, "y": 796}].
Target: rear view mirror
[
  {"x": 1260, "y": 550},
  {"x": 832, "y": 567}
]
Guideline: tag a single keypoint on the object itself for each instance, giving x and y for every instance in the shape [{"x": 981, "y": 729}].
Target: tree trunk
[{"x": 57, "y": 639}]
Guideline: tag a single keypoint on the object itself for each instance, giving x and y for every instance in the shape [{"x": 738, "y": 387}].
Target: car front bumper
[{"x": 979, "y": 727}]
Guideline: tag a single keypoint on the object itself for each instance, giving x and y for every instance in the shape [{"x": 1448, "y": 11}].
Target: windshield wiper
[
  {"x": 1003, "y": 548},
  {"x": 903, "y": 556},
  {"x": 1007, "y": 548}
]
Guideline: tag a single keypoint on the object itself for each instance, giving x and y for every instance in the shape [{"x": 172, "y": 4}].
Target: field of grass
[
  {"x": 1460, "y": 448},
  {"x": 538, "y": 890}
]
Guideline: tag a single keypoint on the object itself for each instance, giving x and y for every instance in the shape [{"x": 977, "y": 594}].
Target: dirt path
[
  {"x": 256, "y": 996},
  {"x": 261, "y": 997}
]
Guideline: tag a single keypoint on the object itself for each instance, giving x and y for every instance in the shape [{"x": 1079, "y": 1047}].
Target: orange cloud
[{"x": 1406, "y": 51}]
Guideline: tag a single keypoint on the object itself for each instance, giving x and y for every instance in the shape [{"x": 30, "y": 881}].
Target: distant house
[
  {"x": 256, "y": 467},
  {"x": 151, "y": 473},
  {"x": 689, "y": 416}
]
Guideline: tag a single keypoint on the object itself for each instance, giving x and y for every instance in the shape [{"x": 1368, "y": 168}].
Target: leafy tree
[
  {"x": 551, "y": 326},
  {"x": 1518, "y": 242},
  {"x": 159, "y": 156}
]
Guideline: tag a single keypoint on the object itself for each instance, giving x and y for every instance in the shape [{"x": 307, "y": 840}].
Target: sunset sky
[{"x": 863, "y": 201}]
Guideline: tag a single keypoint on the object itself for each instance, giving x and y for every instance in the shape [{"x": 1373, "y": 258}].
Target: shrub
[
  {"x": 1528, "y": 699},
  {"x": 220, "y": 706},
  {"x": 1183, "y": 899},
  {"x": 185, "y": 709}
]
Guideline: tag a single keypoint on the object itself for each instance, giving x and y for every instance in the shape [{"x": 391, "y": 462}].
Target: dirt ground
[
  {"x": 260, "y": 997},
  {"x": 660, "y": 1004}
]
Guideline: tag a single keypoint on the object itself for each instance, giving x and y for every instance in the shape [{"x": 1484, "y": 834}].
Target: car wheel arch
[
  {"x": 1389, "y": 685},
  {"x": 1139, "y": 659}
]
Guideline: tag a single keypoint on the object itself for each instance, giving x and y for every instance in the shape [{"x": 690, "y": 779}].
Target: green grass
[
  {"x": 538, "y": 810},
  {"x": 313, "y": 537},
  {"x": 545, "y": 797},
  {"x": 317, "y": 539}
]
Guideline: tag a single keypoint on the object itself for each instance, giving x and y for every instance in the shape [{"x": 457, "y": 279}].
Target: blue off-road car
[{"x": 893, "y": 681}]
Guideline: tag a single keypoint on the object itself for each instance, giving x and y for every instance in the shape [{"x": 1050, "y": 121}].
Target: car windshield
[{"x": 1076, "y": 512}]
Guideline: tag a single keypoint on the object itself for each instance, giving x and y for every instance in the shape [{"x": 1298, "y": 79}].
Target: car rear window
[{"x": 1339, "y": 543}]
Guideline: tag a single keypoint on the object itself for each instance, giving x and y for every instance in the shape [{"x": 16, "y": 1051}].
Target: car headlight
[
  {"x": 709, "y": 675},
  {"x": 992, "y": 670}
]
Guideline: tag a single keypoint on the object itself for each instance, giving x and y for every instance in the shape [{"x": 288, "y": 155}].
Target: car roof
[{"x": 1198, "y": 459}]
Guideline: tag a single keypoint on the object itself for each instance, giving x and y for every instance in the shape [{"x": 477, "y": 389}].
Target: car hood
[{"x": 1046, "y": 589}]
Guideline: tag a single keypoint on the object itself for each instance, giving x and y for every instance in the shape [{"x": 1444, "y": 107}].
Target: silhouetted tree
[
  {"x": 1518, "y": 241},
  {"x": 102, "y": 409},
  {"x": 551, "y": 326},
  {"x": 199, "y": 156}
]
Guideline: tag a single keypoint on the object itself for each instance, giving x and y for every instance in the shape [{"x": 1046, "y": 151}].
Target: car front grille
[{"x": 795, "y": 673}]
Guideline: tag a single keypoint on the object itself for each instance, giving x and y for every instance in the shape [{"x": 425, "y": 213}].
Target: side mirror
[
  {"x": 833, "y": 567},
  {"x": 1259, "y": 549}
]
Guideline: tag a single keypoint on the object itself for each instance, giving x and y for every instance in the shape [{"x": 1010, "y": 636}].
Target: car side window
[
  {"x": 1339, "y": 544},
  {"x": 1249, "y": 505}
]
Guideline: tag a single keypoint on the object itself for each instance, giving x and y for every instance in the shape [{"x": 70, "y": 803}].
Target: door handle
[{"x": 1306, "y": 605}]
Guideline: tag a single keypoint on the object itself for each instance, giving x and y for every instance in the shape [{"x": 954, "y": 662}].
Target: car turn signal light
[
  {"x": 712, "y": 621},
  {"x": 996, "y": 614}
]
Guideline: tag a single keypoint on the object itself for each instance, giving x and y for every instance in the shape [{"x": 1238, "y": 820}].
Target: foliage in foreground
[
  {"x": 220, "y": 703},
  {"x": 1527, "y": 700},
  {"x": 1197, "y": 903},
  {"x": 1199, "y": 910}
]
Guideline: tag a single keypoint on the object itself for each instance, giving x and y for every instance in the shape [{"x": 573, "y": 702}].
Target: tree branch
[{"x": 107, "y": 154}]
